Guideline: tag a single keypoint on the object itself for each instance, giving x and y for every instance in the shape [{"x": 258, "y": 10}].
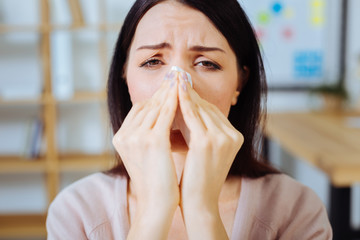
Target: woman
[{"x": 189, "y": 167}]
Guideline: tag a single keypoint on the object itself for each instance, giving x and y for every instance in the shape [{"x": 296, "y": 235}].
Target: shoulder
[
  {"x": 91, "y": 185},
  {"x": 279, "y": 192},
  {"x": 88, "y": 191},
  {"x": 85, "y": 204},
  {"x": 280, "y": 187},
  {"x": 286, "y": 206}
]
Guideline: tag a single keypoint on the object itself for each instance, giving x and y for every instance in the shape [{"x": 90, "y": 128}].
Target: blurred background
[{"x": 54, "y": 59}]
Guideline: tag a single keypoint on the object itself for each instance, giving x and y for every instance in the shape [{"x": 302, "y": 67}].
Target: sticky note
[
  {"x": 264, "y": 18},
  {"x": 277, "y": 7},
  {"x": 317, "y": 12}
]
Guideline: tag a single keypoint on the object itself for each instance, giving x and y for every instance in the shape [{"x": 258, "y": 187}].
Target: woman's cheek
[{"x": 142, "y": 90}]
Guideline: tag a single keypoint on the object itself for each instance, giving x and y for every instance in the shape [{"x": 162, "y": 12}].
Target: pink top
[{"x": 270, "y": 207}]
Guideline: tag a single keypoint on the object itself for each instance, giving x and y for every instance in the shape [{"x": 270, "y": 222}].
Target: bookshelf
[{"x": 52, "y": 162}]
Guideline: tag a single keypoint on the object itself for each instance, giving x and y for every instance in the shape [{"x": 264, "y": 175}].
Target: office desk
[{"x": 327, "y": 142}]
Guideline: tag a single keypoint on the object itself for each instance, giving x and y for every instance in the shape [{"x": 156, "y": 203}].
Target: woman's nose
[{"x": 180, "y": 72}]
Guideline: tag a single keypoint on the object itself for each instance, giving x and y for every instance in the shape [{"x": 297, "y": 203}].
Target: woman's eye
[
  {"x": 151, "y": 63},
  {"x": 209, "y": 65}
]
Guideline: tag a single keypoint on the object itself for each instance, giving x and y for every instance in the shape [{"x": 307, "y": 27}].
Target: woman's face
[{"x": 172, "y": 34}]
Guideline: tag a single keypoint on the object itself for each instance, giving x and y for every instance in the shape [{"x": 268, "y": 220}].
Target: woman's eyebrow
[
  {"x": 155, "y": 47},
  {"x": 196, "y": 48}
]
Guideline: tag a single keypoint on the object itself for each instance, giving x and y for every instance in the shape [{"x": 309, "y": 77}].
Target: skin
[{"x": 178, "y": 188}]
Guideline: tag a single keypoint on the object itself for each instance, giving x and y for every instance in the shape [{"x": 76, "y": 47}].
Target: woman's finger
[
  {"x": 195, "y": 97},
  {"x": 134, "y": 112},
  {"x": 220, "y": 115},
  {"x": 148, "y": 109},
  {"x": 204, "y": 108},
  {"x": 189, "y": 108},
  {"x": 216, "y": 117},
  {"x": 163, "y": 90},
  {"x": 149, "y": 119},
  {"x": 211, "y": 117},
  {"x": 168, "y": 107},
  {"x": 160, "y": 104}
]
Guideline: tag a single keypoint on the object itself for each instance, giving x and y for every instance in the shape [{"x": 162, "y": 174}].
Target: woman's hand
[
  {"x": 143, "y": 143},
  {"x": 213, "y": 144}
]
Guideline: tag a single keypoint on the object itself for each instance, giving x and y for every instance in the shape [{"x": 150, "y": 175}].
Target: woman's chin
[{"x": 177, "y": 141}]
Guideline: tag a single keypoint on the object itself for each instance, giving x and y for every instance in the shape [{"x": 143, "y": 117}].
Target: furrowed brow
[
  {"x": 199, "y": 48},
  {"x": 155, "y": 46}
]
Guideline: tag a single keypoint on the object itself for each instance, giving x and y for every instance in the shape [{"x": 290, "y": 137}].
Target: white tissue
[{"x": 180, "y": 70}]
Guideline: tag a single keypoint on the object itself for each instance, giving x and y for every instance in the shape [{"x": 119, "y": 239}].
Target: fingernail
[
  {"x": 184, "y": 76},
  {"x": 185, "y": 79},
  {"x": 169, "y": 75},
  {"x": 184, "y": 87},
  {"x": 172, "y": 83},
  {"x": 189, "y": 79}
]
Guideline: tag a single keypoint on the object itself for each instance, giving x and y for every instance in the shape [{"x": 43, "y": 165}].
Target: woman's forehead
[{"x": 174, "y": 22}]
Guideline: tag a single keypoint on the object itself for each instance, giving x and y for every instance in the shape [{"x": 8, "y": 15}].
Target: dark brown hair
[{"x": 230, "y": 19}]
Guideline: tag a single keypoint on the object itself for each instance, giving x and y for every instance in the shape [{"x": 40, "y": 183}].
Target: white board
[{"x": 299, "y": 39}]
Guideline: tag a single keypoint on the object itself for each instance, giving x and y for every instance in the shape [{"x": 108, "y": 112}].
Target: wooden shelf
[
  {"x": 81, "y": 97},
  {"x": 22, "y": 101},
  {"x": 80, "y": 162},
  {"x": 23, "y": 226},
  {"x": 74, "y": 162},
  {"x": 20, "y": 28},
  {"x": 21, "y": 165},
  {"x": 58, "y": 27},
  {"x": 53, "y": 163},
  {"x": 41, "y": 100}
]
